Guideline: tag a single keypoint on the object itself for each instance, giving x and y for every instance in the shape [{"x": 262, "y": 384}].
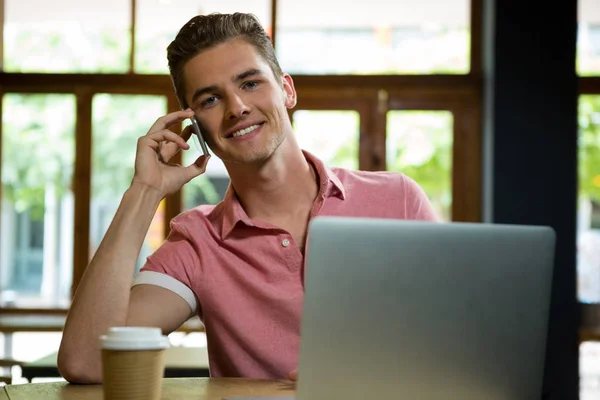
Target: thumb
[{"x": 197, "y": 168}]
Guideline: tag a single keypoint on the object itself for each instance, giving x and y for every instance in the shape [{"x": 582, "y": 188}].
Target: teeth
[{"x": 242, "y": 132}]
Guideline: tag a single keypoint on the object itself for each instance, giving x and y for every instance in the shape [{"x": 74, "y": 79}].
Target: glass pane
[
  {"x": 68, "y": 36},
  {"x": 589, "y": 371},
  {"x": 118, "y": 122},
  {"x": 158, "y": 21},
  {"x": 373, "y": 37},
  {"x": 588, "y": 38},
  {"x": 419, "y": 144},
  {"x": 588, "y": 212},
  {"x": 208, "y": 188},
  {"x": 36, "y": 235},
  {"x": 330, "y": 135}
]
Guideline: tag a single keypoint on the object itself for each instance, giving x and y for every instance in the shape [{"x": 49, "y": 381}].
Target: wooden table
[
  {"x": 180, "y": 362},
  {"x": 172, "y": 389}
]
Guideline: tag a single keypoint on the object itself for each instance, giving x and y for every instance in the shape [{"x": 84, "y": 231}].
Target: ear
[{"x": 289, "y": 90}]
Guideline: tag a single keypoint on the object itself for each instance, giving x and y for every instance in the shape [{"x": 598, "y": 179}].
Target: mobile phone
[{"x": 198, "y": 133}]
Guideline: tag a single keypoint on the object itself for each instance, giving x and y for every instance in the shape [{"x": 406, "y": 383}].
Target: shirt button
[{"x": 285, "y": 242}]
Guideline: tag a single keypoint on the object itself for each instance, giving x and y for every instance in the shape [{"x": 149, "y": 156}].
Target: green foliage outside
[{"x": 589, "y": 147}]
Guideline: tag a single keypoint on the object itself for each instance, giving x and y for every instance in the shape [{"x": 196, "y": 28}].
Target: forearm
[{"x": 102, "y": 296}]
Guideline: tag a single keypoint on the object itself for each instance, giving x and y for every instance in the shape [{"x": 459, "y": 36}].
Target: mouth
[{"x": 244, "y": 131}]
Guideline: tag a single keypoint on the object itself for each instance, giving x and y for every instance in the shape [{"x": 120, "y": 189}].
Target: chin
[
  {"x": 254, "y": 155},
  {"x": 249, "y": 158}
]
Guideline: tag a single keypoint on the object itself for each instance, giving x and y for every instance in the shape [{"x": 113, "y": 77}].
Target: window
[
  {"x": 332, "y": 136},
  {"x": 373, "y": 37},
  {"x": 589, "y": 360},
  {"x": 64, "y": 36},
  {"x": 158, "y": 21},
  {"x": 588, "y": 38},
  {"x": 117, "y": 85},
  {"x": 588, "y": 241},
  {"x": 118, "y": 121},
  {"x": 419, "y": 144},
  {"x": 588, "y": 233},
  {"x": 36, "y": 235}
]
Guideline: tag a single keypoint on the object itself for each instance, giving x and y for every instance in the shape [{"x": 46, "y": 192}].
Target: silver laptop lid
[{"x": 430, "y": 311}]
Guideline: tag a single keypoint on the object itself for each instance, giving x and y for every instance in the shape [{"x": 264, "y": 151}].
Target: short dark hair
[{"x": 205, "y": 31}]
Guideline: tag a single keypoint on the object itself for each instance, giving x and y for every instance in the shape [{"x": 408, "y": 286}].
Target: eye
[
  {"x": 209, "y": 101},
  {"x": 250, "y": 85}
]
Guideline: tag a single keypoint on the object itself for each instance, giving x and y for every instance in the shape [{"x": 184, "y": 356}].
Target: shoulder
[
  {"x": 383, "y": 180},
  {"x": 181, "y": 248},
  {"x": 391, "y": 193},
  {"x": 197, "y": 217}
]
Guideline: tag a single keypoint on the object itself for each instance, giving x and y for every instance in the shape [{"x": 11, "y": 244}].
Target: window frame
[{"x": 372, "y": 96}]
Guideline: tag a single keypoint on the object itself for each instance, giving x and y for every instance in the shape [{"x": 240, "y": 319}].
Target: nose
[{"x": 236, "y": 107}]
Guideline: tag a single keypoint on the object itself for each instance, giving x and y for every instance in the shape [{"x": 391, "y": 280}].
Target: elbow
[{"x": 78, "y": 369}]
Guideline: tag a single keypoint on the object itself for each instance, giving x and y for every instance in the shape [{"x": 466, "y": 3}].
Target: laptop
[{"x": 421, "y": 310}]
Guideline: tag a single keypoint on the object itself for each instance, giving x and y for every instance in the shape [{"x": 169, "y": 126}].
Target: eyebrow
[
  {"x": 247, "y": 74},
  {"x": 240, "y": 77},
  {"x": 200, "y": 92}
]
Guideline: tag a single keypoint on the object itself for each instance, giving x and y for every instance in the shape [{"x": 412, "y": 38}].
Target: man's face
[{"x": 240, "y": 105}]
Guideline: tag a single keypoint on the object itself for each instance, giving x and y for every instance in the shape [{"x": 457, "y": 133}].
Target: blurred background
[{"x": 382, "y": 86}]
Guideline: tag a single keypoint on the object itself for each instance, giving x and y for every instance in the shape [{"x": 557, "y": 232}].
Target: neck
[{"x": 281, "y": 187}]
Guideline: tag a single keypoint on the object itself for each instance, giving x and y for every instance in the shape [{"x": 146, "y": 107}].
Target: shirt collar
[
  {"x": 329, "y": 183},
  {"x": 232, "y": 212}
]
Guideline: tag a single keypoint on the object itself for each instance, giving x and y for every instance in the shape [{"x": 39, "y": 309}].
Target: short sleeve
[{"x": 172, "y": 266}]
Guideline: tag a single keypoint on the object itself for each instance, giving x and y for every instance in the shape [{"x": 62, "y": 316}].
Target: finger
[
  {"x": 293, "y": 375},
  {"x": 169, "y": 149},
  {"x": 197, "y": 168},
  {"x": 158, "y": 139},
  {"x": 168, "y": 136},
  {"x": 170, "y": 119}
]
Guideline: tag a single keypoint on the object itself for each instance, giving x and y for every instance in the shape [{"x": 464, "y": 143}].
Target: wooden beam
[
  {"x": 476, "y": 52},
  {"x": 466, "y": 164},
  {"x": 388, "y": 82},
  {"x": 273, "y": 21},
  {"x": 82, "y": 184},
  {"x": 161, "y": 84},
  {"x": 589, "y": 85},
  {"x": 132, "y": 38},
  {"x": 380, "y": 105},
  {"x": 61, "y": 83}
]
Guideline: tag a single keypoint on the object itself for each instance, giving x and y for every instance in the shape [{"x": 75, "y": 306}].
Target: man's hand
[
  {"x": 293, "y": 375},
  {"x": 157, "y": 147}
]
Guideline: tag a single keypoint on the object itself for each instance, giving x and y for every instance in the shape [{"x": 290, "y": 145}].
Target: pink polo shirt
[{"x": 243, "y": 277}]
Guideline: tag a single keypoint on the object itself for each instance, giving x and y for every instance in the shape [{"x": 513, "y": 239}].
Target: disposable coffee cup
[{"x": 133, "y": 363}]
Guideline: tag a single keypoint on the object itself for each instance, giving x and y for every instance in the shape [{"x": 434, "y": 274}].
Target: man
[{"x": 238, "y": 265}]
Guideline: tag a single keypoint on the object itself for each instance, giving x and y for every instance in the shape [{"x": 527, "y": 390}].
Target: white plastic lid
[{"x": 134, "y": 338}]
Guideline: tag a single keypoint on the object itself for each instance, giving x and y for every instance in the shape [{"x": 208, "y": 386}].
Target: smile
[{"x": 245, "y": 131}]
